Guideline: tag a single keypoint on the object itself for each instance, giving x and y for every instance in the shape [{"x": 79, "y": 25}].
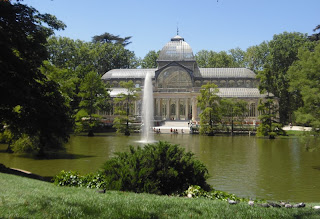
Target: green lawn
[{"x": 28, "y": 198}]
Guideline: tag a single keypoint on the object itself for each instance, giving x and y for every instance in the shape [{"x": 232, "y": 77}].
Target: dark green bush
[{"x": 159, "y": 168}]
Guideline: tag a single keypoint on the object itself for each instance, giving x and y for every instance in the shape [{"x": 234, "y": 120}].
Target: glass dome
[{"x": 176, "y": 50}]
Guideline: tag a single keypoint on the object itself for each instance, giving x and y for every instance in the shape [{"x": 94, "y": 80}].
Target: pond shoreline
[
  {"x": 23, "y": 173},
  {"x": 245, "y": 166}
]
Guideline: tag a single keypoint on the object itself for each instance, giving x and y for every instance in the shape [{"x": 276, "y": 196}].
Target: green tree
[
  {"x": 283, "y": 52},
  {"x": 83, "y": 57},
  {"x": 94, "y": 97},
  {"x": 269, "y": 125},
  {"x": 208, "y": 101},
  {"x": 211, "y": 59},
  {"x": 268, "y": 108},
  {"x": 232, "y": 108},
  {"x": 68, "y": 53},
  {"x": 31, "y": 104},
  {"x": 73, "y": 59},
  {"x": 108, "y": 56},
  {"x": 150, "y": 60},
  {"x": 124, "y": 102},
  {"x": 66, "y": 78},
  {"x": 238, "y": 55},
  {"x": 315, "y": 36},
  {"x": 256, "y": 56},
  {"x": 304, "y": 77},
  {"x": 110, "y": 38}
]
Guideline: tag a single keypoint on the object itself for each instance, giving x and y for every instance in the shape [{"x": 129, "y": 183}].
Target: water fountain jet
[{"x": 147, "y": 111}]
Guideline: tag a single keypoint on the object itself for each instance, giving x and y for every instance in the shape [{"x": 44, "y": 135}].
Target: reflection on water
[{"x": 280, "y": 169}]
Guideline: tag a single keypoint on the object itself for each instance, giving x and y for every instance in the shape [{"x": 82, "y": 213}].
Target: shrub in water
[{"x": 159, "y": 168}]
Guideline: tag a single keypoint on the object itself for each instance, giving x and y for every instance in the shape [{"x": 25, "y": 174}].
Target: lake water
[{"x": 281, "y": 169}]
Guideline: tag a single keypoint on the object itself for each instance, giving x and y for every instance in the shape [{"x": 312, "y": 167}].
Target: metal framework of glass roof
[
  {"x": 176, "y": 50},
  {"x": 227, "y": 73},
  {"x": 207, "y": 73},
  {"x": 240, "y": 92},
  {"x": 128, "y": 73}
]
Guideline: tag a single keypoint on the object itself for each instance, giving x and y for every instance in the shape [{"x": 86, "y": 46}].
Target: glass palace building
[{"x": 177, "y": 82}]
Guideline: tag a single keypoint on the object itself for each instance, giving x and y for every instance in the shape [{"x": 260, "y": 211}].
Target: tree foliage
[
  {"x": 83, "y": 57},
  {"x": 283, "y": 50},
  {"x": 94, "y": 98},
  {"x": 269, "y": 125},
  {"x": 304, "y": 77},
  {"x": 66, "y": 79},
  {"x": 124, "y": 104},
  {"x": 256, "y": 57},
  {"x": 234, "y": 58},
  {"x": 150, "y": 60},
  {"x": 73, "y": 62},
  {"x": 238, "y": 56},
  {"x": 31, "y": 104},
  {"x": 211, "y": 59},
  {"x": 233, "y": 109},
  {"x": 315, "y": 36},
  {"x": 208, "y": 101},
  {"x": 110, "y": 38}
]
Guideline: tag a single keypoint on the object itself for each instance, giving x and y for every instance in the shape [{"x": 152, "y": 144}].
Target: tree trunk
[
  {"x": 9, "y": 148},
  {"x": 271, "y": 137},
  {"x": 90, "y": 134}
]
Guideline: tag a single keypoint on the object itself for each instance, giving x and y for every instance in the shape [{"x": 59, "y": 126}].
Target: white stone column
[
  {"x": 187, "y": 109},
  {"x": 177, "y": 109},
  {"x": 155, "y": 104},
  {"x": 159, "y": 107},
  {"x": 168, "y": 109},
  {"x": 194, "y": 109}
]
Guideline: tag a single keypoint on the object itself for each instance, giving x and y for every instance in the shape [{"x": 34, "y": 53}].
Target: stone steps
[{"x": 179, "y": 125}]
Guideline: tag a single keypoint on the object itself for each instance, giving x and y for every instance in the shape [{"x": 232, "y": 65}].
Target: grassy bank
[{"x": 22, "y": 197}]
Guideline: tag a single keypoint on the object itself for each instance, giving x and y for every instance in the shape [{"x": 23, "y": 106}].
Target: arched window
[
  {"x": 231, "y": 83},
  {"x": 115, "y": 84},
  {"x": 206, "y": 81},
  {"x": 248, "y": 83},
  {"x": 223, "y": 83},
  {"x": 174, "y": 77},
  {"x": 215, "y": 82},
  {"x": 240, "y": 83}
]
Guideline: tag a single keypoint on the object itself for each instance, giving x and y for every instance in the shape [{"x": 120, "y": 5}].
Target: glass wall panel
[
  {"x": 182, "y": 109},
  {"x": 252, "y": 110},
  {"x": 164, "y": 108},
  {"x": 174, "y": 77},
  {"x": 173, "y": 109}
]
